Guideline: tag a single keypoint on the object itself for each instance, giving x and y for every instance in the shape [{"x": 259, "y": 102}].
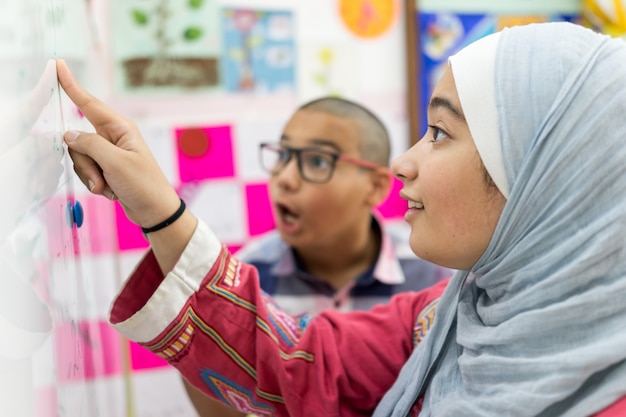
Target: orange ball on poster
[{"x": 368, "y": 18}]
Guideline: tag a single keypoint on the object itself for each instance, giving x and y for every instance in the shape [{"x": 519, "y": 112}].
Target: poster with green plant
[{"x": 165, "y": 45}]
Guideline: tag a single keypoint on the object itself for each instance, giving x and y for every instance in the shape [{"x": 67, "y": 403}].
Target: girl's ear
[{"x": 381, "y": 184}]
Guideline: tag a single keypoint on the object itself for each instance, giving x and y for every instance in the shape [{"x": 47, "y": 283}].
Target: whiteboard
[{"x": 47, "y": 347}]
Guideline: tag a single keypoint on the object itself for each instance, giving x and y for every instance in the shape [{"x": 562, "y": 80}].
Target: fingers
[
  {"x": 89, "y": 172},
  {"x": 98, "y": 113},
  {"x": 91, "y": 154}
]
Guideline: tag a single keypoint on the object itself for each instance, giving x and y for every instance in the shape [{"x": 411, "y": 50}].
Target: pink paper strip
[
  {"x": 142, "y": 358},
  {"x": 394, "y": 206},
  {"x": 86, "y": 350},
  {"x": 129, "y": 235},
  {"x": 260, "y": 215},
  {"x": 205, "y": 152}
]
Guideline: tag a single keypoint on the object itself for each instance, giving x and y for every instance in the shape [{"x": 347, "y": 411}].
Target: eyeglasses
[{"x": 314, "y": 165}]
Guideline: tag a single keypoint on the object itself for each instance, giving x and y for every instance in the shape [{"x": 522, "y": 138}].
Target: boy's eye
[
  {"x": 317, "y": 161},
  {"x": 284, "y": 155}
]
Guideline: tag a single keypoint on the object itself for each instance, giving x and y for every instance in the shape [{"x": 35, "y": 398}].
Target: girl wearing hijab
[{"x": 519, "y": 184}]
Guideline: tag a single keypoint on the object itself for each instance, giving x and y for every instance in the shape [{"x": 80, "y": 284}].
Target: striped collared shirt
[{"x": 296, "y": 291}]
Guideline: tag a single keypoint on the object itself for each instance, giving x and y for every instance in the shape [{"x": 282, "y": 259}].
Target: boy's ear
[{"x": 381, "y": 184}]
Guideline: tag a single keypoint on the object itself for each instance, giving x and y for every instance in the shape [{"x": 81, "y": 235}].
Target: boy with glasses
[{"x": 330, "y": 250}]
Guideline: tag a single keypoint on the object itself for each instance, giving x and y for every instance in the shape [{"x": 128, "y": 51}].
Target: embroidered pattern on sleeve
[
  {"x": 234, "y": 395},
  {"x": 284, "y": 325},
  {"x": 191, "y": 322},
  {"x": 281, "y": 327},
  {"x": 177, "y": 345},
  {"x": 175, "y": 340},
  {"x": 227, "y": 274},
  {"x": 424, "y": 321}
]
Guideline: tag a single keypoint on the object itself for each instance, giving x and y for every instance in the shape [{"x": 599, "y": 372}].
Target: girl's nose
[{"x": 404, "y": 167}]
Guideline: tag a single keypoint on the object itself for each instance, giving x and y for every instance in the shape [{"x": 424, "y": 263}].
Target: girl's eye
[{"x": 437, "y": 133}]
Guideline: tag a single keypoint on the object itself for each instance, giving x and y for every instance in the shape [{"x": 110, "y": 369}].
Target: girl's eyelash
[{"x": 435, "y": 132}]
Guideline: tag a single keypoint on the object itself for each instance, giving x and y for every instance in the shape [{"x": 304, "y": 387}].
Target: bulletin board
[
  {"x": 272, "y": 57},
  {"x": 436, "y": 29}
]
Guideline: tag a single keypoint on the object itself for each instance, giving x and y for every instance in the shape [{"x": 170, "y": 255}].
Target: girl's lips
[
  {"x": 412, "y": 202},
  {"x": 415, "y": 205},
  {"x": 414, "y": 208}
]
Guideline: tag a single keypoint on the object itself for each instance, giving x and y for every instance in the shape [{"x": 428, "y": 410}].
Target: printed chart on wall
[
  {"x": 258, "y": 51},
  {"x": 446, "y": 26},
  {"x": 163, "y": 46}
]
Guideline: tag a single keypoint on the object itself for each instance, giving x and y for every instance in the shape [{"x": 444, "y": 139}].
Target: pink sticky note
[
  {"x": 233, "y": 248},
  {"x": 97, "y": 234},
  {"x": 260, "y": 215},
  {"x": 129, "y": 235},
  {"x": 142, "y": 358},
  {"x": 86, "y": 350},
  {"x": 205, "y": 152},
  {"x": 393, "y": 206}
]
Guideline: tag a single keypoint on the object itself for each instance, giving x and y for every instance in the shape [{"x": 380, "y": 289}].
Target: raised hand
[{"x": 115, "y": 161}]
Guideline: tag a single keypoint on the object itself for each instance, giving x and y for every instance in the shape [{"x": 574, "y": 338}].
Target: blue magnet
[
  {"x": 78, "y": 214},
  {"x": 74, "y": 214}
]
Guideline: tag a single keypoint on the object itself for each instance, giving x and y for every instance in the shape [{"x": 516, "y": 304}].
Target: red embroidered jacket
[{"x": 210, "y": 320}]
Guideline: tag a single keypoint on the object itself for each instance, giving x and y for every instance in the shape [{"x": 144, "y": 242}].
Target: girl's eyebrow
[{"x": 440, "y": 102}]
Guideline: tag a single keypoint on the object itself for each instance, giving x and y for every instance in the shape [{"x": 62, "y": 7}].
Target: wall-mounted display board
[{"x": 437, "y": 29}]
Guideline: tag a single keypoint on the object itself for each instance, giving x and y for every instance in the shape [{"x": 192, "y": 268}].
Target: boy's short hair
[{"x": 374, "y": 145}]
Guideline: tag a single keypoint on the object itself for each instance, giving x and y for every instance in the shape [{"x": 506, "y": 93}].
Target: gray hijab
[{"x": 539, "y": 329}]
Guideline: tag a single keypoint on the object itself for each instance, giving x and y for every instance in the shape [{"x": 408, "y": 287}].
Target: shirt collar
[{"x": 387, "y": 270}]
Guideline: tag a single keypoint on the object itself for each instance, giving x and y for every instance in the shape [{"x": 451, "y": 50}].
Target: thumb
[{"x": 92, "y": 155}]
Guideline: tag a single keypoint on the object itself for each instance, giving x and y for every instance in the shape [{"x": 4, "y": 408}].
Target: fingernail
[
  {"x": 71, "y": 135},
  {"x": 91, "y": 185},
  {"x": 110, "y": 195}
]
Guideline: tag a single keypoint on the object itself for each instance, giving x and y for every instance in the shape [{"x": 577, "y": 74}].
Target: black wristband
[{"x": 167, "y": 221}]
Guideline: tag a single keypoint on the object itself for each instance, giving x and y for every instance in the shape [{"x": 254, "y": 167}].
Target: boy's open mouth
[{"x": 285, "y": 214}]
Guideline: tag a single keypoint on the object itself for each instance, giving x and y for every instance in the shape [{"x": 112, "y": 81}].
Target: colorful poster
[
  {"x": 368, "y": 18},
  {"x": 499, "y": 7},
  {"x": 259, "y": 51},
  {"x": 442, "y": 34},
  {"x": 163, "y": 45},
  {"x": 607, "y": 16}
]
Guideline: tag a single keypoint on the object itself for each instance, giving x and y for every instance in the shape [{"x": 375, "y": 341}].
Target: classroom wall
[
  {"x": 226, "y": 76},
  {"x": 203, "y": 125},
  {"x": 206, "y": 137}
]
